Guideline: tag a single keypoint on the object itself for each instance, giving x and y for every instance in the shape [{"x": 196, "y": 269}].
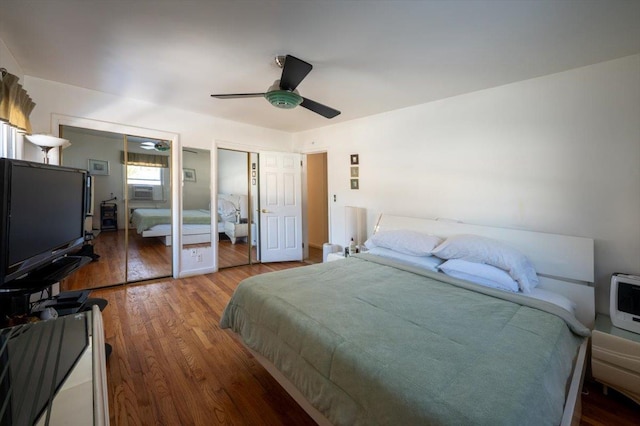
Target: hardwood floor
[
  {"x": 234, "y": 254},
  {"x": 173, "y": 365},
  {"x": 147, "y": 258},
  {"x": 315, "y": 255},
  {"x": 599, "y": 409}
]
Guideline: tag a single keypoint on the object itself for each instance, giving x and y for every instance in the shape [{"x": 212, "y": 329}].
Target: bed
[
  {"x": 156, "y": 223},
  {"x": 196, "y": 223},
  {"x": 375, "y": 340}
]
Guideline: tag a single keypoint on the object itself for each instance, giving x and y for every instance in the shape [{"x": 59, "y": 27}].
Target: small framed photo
[
  {"x": 253, "y": 181},
  {"x": 355, "y": 184},
  {"x": 99, "y": 167},
  {"x": 355, "y": 160},
  {"x": 253, "y": 173},
  {"x": 189, "y": 175},
  {"x": 354, "y": 171}
]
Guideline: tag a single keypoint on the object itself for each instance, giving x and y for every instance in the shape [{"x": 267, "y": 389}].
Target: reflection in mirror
[
  {"x": 148, "y": 206},
  {"x": 100, "y": 153},
  {"x": 120, "y": 253},
  {"x": 236, "y": 232},
  {"x": 196, "y": 203},
  {"x": 254, "y": 209}
]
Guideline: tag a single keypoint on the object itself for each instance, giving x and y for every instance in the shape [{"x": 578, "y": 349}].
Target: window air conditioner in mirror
[{"x": 145, "y": 192}]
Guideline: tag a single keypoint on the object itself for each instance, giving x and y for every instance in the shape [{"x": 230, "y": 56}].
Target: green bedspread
[
  {"x": 368, "y": 341},
  {"x": 144, "y": 219}
]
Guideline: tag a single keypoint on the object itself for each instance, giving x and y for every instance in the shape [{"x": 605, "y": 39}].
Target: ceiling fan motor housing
[{"x": 281, "y": 98}]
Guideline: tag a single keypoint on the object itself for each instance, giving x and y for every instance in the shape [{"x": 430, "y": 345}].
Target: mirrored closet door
[
  {"x": 197, "y": 251},
  {"x": 236, "y": 203},
  {"x": 130, "y": 214}
]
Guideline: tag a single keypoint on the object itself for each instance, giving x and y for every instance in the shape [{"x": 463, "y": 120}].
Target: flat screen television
[{"x": 42, "y": 214}]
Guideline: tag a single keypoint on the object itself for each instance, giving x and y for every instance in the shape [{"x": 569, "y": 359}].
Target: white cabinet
[{"x": 615, "y": 358}]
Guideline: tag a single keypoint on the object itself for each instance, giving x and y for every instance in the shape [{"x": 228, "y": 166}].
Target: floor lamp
[{"x": 46, "y": 143}]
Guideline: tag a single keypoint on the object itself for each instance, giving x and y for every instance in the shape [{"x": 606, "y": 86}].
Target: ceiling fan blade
[
  {"x": 239, "y": 95},
  {"x": 318, "y": 108},
  {"x": 293, "y": 72}
]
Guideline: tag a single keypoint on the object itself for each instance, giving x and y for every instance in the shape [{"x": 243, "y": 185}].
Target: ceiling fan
[
  {"x": 158, "y": 146},
  {"x": 162, "y": 146},
  {"x": 283, "y": 93}
]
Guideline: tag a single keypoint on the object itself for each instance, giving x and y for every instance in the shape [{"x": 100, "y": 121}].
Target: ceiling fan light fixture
[
  {"x": 162, "y": 146},
  {"x": 283, "y": 98}
]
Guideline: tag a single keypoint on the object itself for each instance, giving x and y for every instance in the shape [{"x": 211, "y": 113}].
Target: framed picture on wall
[
  {"x": 189, "y": 175},
  {"x": 354, "y": 171},
  {"x": 355, "y": 159},
  {"x": 99, "y": 167},
  {"x": 355, "y": 184}
]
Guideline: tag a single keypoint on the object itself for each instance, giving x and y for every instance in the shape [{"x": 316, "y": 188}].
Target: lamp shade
[
  {"x": 47, "y": 141},
  {"x": 355, "y": 225}
]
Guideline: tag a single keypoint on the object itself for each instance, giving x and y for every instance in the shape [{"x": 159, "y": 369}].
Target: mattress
[
  {"x": 371, "y": 341},
  {"x": 165, "y": 230},
  {"x": 143, "y": 219}
]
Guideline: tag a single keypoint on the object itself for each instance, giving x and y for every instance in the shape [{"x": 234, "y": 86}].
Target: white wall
[
  {"x": 232, "y": 172},
  {"x": 197, "y": 195},
  {"x": 558, "y": 154},
  {"x": 194, "y": 130},
  {"x": 8, "y": 62}
]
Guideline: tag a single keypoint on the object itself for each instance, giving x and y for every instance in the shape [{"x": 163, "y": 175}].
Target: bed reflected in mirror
[
  {"x": 237, "y": 231},
  {"x": 148, "y": 183}
]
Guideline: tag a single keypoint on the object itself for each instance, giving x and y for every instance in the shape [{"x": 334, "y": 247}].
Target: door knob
[{"x": 265, "y": 211}]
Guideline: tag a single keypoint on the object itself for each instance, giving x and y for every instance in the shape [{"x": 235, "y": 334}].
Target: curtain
[
  {"x": 149, "y": 160},
  {"x": 15, "y": 103}
]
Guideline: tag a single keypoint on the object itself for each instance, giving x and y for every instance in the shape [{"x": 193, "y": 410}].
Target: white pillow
[
  {"x": 407, "y": 242},
  {"x": 474, "y": 248},
  {"x": 555, "y": 298},
  {"x": 480, "y": 273},
  {"x": 425, "y": 262}
]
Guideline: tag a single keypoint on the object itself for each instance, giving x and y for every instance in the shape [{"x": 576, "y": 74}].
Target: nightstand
[
  {"x": 615, "y": 358},
  {"x": 334, "y": 256}
]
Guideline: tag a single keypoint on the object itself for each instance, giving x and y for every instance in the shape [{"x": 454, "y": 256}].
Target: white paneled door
[{"x": 280, "y": 207}]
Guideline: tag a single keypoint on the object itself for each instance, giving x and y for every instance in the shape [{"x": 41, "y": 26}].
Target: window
[
  {"x": 144, "y": 175},
  {"x": 8, "y": 138}
]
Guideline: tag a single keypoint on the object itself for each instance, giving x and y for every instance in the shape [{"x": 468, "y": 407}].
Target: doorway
[
  {"x": 317, "y": 211},
  {"x": 130, "y": 175}
]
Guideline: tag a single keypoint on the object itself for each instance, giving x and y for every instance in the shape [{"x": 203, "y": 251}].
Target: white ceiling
[{"x": 368, "y": 56}]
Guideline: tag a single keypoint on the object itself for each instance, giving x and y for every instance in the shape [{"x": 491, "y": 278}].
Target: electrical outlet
[
  {"x": 194, "y": 252},
  {"x": 199, "y": 258}
]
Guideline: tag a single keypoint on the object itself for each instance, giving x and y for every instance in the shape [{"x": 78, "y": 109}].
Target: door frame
[{"x": 305, "y": 200}]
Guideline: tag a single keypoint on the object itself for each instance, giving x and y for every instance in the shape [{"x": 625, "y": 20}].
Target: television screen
[{"x": 43, "y": 211}]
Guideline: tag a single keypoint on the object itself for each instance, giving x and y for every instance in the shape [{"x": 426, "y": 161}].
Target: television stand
[{"x": 15, "y": 296}]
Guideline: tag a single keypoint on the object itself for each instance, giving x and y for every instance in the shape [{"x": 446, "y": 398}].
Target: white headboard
[
  {"x": 564, "y": 264},
  {"x": 238, "y": 201}
]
